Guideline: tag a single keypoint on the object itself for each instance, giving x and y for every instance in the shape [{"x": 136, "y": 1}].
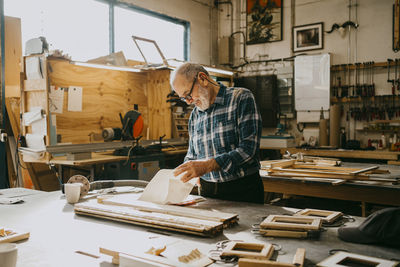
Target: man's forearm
[{"x": 213, "y": 165}]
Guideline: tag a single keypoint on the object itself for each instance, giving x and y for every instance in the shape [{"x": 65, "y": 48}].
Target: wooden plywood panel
[
  {"x": 106, "y": 93},
  {"x": 13, "y": 106},
  {"x": 13, "y": 55},
  {"x": 158, "y": 87}
]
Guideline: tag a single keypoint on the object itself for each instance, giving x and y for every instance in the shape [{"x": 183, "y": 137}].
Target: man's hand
[{"x": 195, "y": 168}]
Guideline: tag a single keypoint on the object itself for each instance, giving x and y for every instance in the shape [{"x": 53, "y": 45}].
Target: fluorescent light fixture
[
  {"x": 174, "y": 64},
  {"x": 220, "y": 71},
  {"x": 101, "y": 66}
]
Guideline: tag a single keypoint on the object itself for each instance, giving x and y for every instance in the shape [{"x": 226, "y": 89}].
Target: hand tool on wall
[
  {"x": 389, "y": 62},
  {"x": 345, "y": 87},
  {"x": 350, "y": 87},
  {"x": 364, "y": 86},
  {"x": 357, "y": 70},
  {"x": 334, "y": 87},
  {"x": 396, "y": 79},
  {"x": 373, "y": 84}
]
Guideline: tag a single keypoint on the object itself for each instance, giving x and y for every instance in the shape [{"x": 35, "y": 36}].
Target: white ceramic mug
[
  {"x": 8, "y": 255},
  {"x": 72, "y": 192}
]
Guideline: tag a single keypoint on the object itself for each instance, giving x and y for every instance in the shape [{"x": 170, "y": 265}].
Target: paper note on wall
[
  {"x": 74, "y": 98},
  {"x": 166, "y": 188},
  {"x": 56, "y": 99}
]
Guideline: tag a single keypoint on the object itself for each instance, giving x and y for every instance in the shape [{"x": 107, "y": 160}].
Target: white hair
[{"x": 188, "y": 71}]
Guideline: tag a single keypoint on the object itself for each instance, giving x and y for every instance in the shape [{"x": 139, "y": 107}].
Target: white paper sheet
[
  {"x": 35, "y": 141},
  {"x": 74, "y": 98},
  {"x": 33, "y": 115},
  {"x": 33, "y": 70},
  {"x": 165, "y": 188},
  {"x": 56, "y": 97},
  {"x": 40, "y": 126}
]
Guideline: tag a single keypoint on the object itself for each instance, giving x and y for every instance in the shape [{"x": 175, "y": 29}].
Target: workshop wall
[
  {"x": 374, "y": 35},
  {"x": 372, "y": 41},
  {"x": 203, "y": 23}
]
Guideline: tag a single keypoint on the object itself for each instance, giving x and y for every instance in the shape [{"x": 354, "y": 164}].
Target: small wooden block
[
  {"x": 299, "y": 257},
  {"x": 248, "y": 250},
  {"x": 284, "y": 222},
  {"x": 341, "y": 259},
  {"x": 326, "y": 216},
  {"x": 12, "y": 237}
]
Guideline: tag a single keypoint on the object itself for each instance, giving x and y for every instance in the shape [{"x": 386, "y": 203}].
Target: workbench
[
  {"x": 391, "y": 156},
  {"x": 56, "y": 233},
  {"x": 362, "y": 191}
]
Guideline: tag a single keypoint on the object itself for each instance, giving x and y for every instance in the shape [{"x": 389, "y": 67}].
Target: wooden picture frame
[
  {"x": 284, "y": 222},
  {"x": 327, "y": 216},
  {"x": 248, "y": 250},
  {"x": 263, "y": 21},
  {"x": 341, "y": 259},
  {"x": 308, "y": 37}
]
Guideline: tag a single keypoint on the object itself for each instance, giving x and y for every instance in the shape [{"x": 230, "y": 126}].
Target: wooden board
[
  {"x": 284, "y": 222},
  {"x": 128, "y": 201},
  {"x": 283, "y": 233},
  {"x": 14, "y": 236},
  {"x": 142, "y": 258},
  {"x": 183, "y": 224},
  {"x": 13, "y": 54},
  {"x": 159, "y": 111},
  {"x": 298, "y": 261},
  {"x": 351, "y": 259},
  {"x": 248, "y": 250},
  {"x": 382, "y": 155},
  {"x": 97, "y": 158}
]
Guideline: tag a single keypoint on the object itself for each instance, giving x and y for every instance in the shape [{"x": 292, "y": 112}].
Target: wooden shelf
[
  {"x": 341, "y": 153},
  {"x": 353, "y": 67},
  {"x": 360, "y": 99}
]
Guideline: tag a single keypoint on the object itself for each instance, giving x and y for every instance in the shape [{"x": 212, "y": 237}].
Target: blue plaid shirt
[{"x": 228, "y": 131}]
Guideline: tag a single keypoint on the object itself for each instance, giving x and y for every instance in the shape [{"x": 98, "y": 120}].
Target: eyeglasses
[{"x": 188, "y": 97}]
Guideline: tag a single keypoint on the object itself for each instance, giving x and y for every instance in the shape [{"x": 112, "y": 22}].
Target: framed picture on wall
[
  {"x": 308, "y": 37},
  {"x": 263, "y": 21}
]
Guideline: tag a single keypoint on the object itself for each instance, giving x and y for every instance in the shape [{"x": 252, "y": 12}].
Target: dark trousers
[{"x": 246, "y": 189}]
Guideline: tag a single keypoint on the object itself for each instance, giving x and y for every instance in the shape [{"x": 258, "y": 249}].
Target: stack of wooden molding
[
  {"x": 124, "y": 208},
  {"x": 294, "y": 168}
]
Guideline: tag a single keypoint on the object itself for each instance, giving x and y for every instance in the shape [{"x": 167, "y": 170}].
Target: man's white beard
[{"x": 204, "y": 97}]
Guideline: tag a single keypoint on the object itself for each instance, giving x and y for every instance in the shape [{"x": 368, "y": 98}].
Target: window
[
  {"x": 65, "y": 24},
  {"x": 81, "y": 28},
  {"x": 169, "y": 36}
]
